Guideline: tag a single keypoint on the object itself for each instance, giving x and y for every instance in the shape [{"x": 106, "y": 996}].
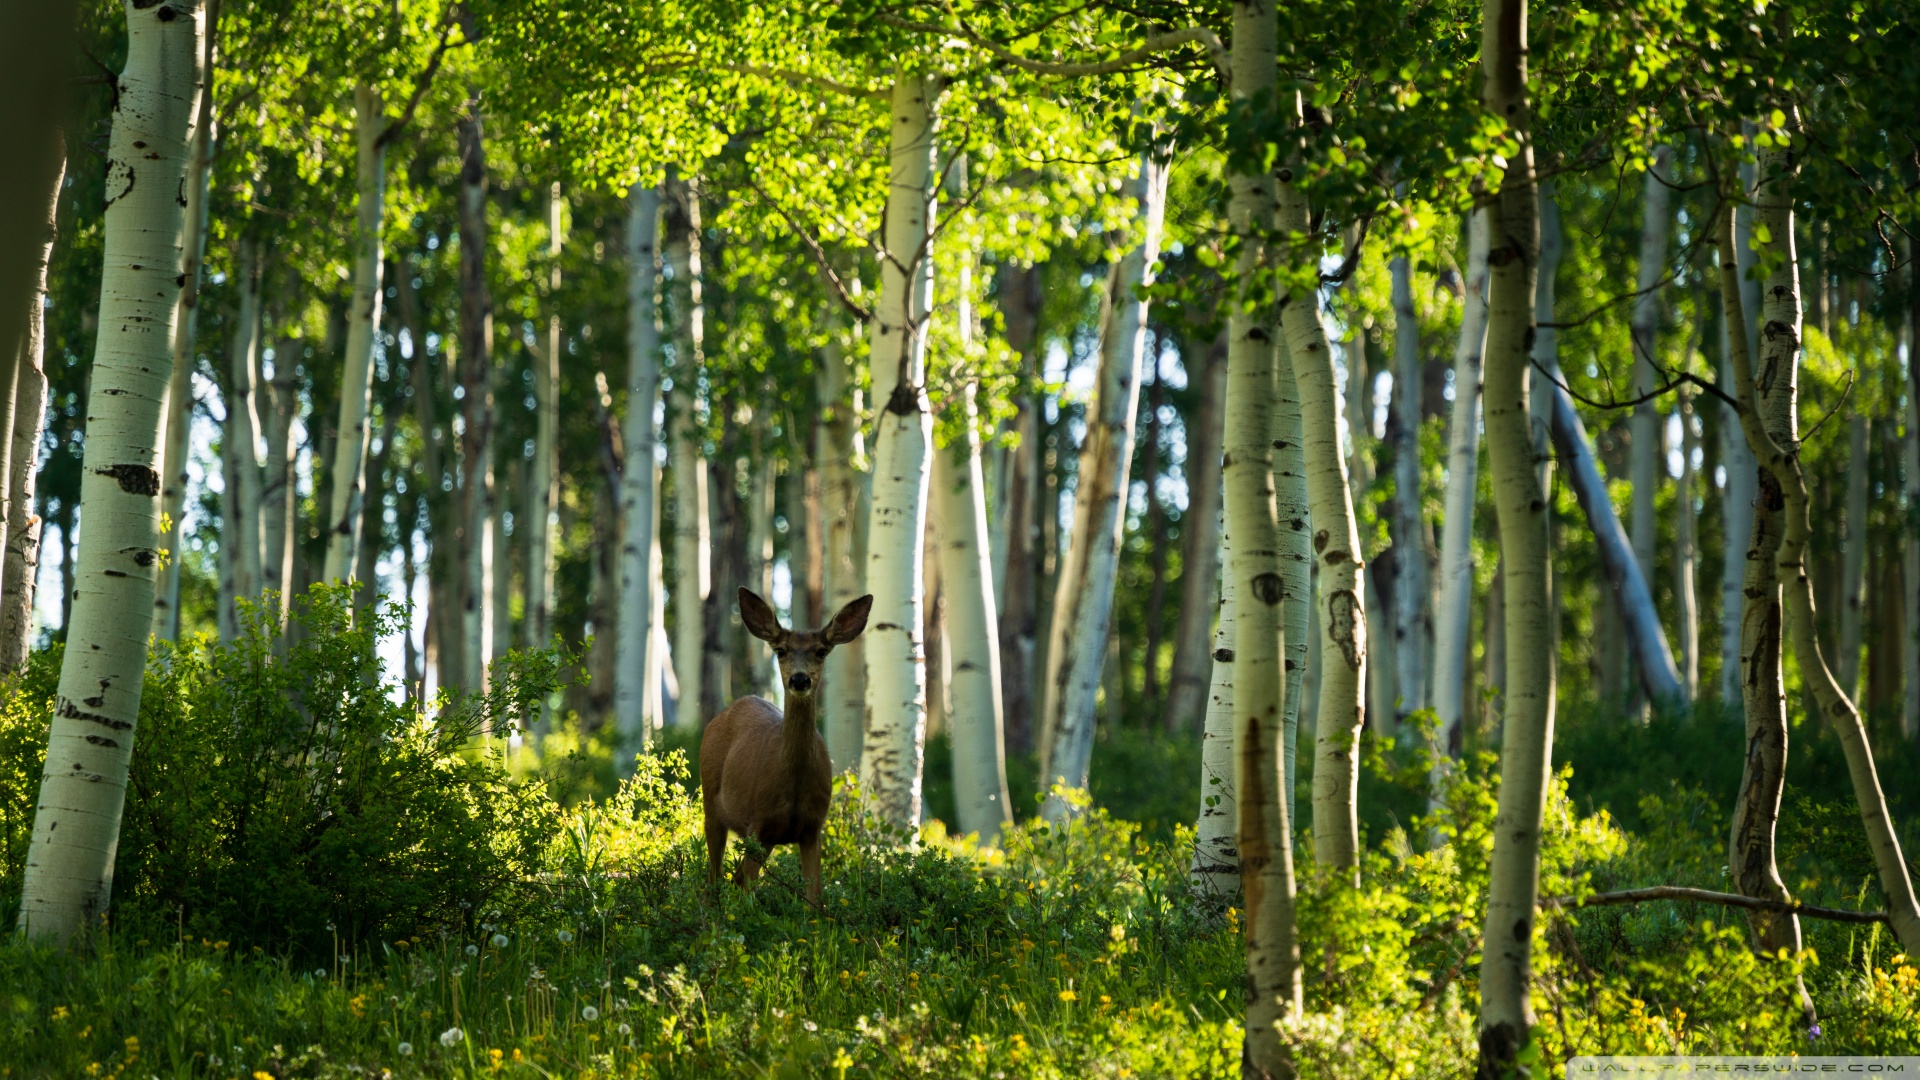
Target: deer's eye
[
  {"x": 781, "y": 653},
  {"x": 821, "y": 654}
]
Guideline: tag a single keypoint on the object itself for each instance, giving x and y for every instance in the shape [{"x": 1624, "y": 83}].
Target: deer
[{"x": 767, "y": 776}]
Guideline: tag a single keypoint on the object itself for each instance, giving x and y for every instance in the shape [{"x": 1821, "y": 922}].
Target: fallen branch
[{"x": 1706, "y": 896}]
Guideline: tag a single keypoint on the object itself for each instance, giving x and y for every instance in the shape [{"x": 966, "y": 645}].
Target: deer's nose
[{"x": 800, "y": 682}]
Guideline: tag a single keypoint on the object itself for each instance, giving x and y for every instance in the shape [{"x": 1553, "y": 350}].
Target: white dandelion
[{"x": 451, "y": 1037}]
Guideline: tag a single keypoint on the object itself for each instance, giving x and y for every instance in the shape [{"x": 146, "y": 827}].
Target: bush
[{"x": 283, "y": 795}]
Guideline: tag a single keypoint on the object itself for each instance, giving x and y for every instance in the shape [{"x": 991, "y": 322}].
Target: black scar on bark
[
  {"x": 1268, "y": 588},
  {"x": 134, "y": 479}
]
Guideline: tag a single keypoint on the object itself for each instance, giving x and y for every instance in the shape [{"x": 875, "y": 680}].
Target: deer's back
[{"x": 747, "y": 785}]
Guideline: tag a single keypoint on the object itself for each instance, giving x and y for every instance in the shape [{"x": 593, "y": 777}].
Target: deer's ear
[
  {"x": 759, "y": 618},
  {"x": 849, "y": 623}
]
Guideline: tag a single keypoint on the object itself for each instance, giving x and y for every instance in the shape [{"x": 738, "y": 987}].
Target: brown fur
[{"x": 766, "y": 776}]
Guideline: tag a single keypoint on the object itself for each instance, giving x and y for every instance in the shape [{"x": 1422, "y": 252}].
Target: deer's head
[{"x": 802, "y": 653}]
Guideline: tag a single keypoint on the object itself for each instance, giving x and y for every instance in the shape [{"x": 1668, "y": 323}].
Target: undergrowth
[{"x": 316, "y": 881}]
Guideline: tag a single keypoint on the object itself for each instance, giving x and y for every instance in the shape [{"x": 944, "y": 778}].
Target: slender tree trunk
[
  {"x": 1018, "y": 582},
  {"x": 278, "y": 499},
  {"x": 243, "y": 426},
  {"x": 69, "y": 871},
  {"x": 1411, "y": 592},
  {"x": 543, "y": 493},
  {"x": 1154, "y": 525},
  {"x": 356, "y": 379},
  {"x": 1083, "y": 602},
  {"x": 21, "y": 538},
  {"x": 1188, "y": 697},
  {"x": 637, "y": 669},
  {"x": 1541, "y": 401},
  {"x": 760, "y": 495},
  {"x": 1742, "y": 473},
  {"x": 1216, "y": 853},
  {"x": 1685, "y": 555},
  {"x": 1341, "y": 712},
  {"x": 1506, "y": 974},
  {"x": 1767, "y": 391},
  {"x": 1645, "y": 459},
  {"x": 1853, "y": 573},
  {"x": 1910, "y": 558},
  {"x": 508, "y": 479},
  {"x": 894, "y": 749},
  {"x": 179, "y": 409},
  {"x": 1265, "y": 834},
  {"x": 1453, "y": 632},
  {"x": 692, "y": 544},
  {"x": 842, "y": 453},
  {"x": 476, "y": 360},
  {"x": 1295, "y": 517}
]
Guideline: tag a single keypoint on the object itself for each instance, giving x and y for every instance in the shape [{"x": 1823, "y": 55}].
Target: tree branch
[
  {"x": 1706, "y": 896},
  {"x": 425, "y": 79},
  {"x": 1158, "y": 43},
  {"x": 819, "y": 254}
]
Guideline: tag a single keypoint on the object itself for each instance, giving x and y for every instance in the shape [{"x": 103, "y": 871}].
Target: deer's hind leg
[{"x": 716, "y": 849}]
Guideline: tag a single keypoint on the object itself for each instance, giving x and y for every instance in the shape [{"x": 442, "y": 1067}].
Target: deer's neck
[{"x": 799, "y": 728}]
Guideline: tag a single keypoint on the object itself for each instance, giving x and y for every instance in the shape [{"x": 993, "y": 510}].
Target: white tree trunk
[
  {"x": 363, "y": 323},
  {"x": 692, "y": 550},
  {"x": 1646, "y": 460},
  {"x": 278, "y": 499},
  {"x": 842, "y": 455},
  {"x": 894, "y": 749},
  {"x": 1686, "y": 531},
  {"x": 476, "y": 376},
  {"x": 1412, "y": 588},
  {"x": 500, "y": 609},
  {"x": 68, "y": 878},
  {"x": 22, "y": 536},
  {"x": 1853, "y": 572},
  {"x": 1452, "y": 632},
  {"x": 543, "y": 488},
  {"x": 243, "y": 426},
  {"x": 762, "y": 483},
  {"x": 1506, "y": 979},
  {"x": 1743, "y": 481},
  {"x": 1216, "y": 851},
  {"x": 1083, "y": 600},
  {"x": 973, "y": 636},
  {"x": 1294, "y": 514},
  {"x": 179, "y": 406},
  {"x": 637, "y": 670}
]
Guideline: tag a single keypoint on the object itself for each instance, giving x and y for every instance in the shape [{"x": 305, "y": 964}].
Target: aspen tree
[
  {"x": 1506, "y": 974},
  {"x": 179, "y": 407},
  {"x": 279, "y": 502},
  {"x": 1294, "y": 515},
  {"x": 21, "y": 538},
  {"x": 543, "y": 493},
  {"x": 976, "y": 724},
  {"x": 1216, "y": 853},
  {"x": 1767, "y": 391},
  {"x": 637, "y": 671},
  {"x": 1342, "y": 613},
  {"x": 1412, "y": 593},
  {"x": 1910, "y": 557},
  {"x": 1645, "y": 459},
  {"x": 1452, "y": 633},
  {"x": 1743, "y": 479},
  {"x": 363, "y": 325},
  {"x": 692, "y": 548},
  {"x": 894, "y": 747},
  {"x": 476, "y": 376},
  {"x": 68, "y": 880},
  {"x": 842, "y": 455},
  {"x": 1686, "y": 529},
  {"x": 1265, "y": 835},
  {"x": 1083, "y": 599},
  {"x": 243, "y": 426}
]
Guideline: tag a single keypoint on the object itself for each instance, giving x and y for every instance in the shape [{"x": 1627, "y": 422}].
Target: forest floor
[{"x": 1075, "y": 952}]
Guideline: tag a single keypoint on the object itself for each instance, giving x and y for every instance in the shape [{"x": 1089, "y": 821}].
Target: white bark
[
  {"x": 363, "y": 322},
  {"x": 1295, "y": 518},
  {"x": 1685, "y": 555},
  {"x": 973, "y": 636},
  {"x": 894, "y": 749},
  {"x": 68, "y": 878},
  {"x": 1646, "y": 462},
  {"x": 179, "y": 405},
  {"x": 1743, "y": 481},
  {"x": 543, "y": 488},
  {"x": 1216, "y": 843},
  {"x": 1452, "y": 634},
  {"x": 22, "y": 535},
  {"x": 1506, "y": 979},
  {"x": 637, "y": 671},
  {"x": 692, "y": 551},
  {"x": 278, "y": 499},
  {"x": 761, "y": 483},
  {"x": 1412, "y": 587},
  {"x": 1853, "y": 572},
  {"x": 1083, "y": 600},
  {"x": 842, "y": 454},
  {"x": 243, "y": 426}
]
